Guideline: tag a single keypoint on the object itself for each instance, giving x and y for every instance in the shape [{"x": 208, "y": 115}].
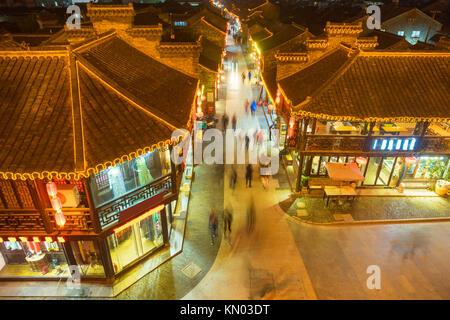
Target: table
[
  {"x": 36, "y": 262},
  {"x": 332, "y": 191}
]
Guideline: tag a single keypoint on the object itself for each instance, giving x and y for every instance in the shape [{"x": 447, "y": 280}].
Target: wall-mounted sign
[{"x": 394, "y": 144}]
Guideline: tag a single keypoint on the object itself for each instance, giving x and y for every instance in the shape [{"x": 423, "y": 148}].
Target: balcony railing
[
  {"x": 20, "y": 220},
  {"x": 357, "y": 143},
  {"x": 109, "y": 212},
  {"x": 77, "y": 219}
]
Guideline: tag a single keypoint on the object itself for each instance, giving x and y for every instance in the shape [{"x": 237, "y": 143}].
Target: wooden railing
[
  {"x": 109, "y": 212},
  {"x": 77, "y": 219},
  {"x": 358, "y": 143},
  {"x": 20, "y": 220}
]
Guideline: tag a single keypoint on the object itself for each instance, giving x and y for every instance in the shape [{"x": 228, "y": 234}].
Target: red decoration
[
  {"x": 410, "y": 160},
  {"x": 361, "y": 160},
  {"x": 60, "y": 218}
]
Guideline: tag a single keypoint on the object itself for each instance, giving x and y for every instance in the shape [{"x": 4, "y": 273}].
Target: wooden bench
[{"x": 320, "y": 183}]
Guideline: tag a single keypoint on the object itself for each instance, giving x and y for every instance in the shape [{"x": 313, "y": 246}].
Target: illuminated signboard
[{"x": 394, "y": 144}]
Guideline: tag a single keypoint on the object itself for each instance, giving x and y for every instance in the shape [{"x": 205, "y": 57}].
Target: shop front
[{"x": 385, "y": 171}]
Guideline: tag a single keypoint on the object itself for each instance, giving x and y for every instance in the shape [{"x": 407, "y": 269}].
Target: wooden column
[
  {"x": 173, "y": 172},
  {"x": 301, "y": 148},
  {"x": 164, "y": 226},
  {"x": 92, "y": 212},
  {"x": 40, "y": 205}
]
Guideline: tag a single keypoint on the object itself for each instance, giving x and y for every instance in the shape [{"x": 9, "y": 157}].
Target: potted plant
[{"x": 304, "y": 182}]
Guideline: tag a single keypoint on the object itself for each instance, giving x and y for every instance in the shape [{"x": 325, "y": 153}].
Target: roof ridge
[
  {"x": 124, "y": 93},
  {"x": 336, "y": 75},
  {"x": 92, "y": 42}
]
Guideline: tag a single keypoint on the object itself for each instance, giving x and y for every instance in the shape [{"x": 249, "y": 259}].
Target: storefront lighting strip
[{"x": 142, "y": 217}]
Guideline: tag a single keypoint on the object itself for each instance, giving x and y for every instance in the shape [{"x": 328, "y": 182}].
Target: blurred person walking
[
  {"x": 227, "y": 221},
  {"x": 212, "y": 225},
  {"x": 251, "y": 216},
  {"x": 248, "y": 175}
]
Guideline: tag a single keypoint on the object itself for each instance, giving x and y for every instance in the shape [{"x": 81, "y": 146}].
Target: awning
[{"x": 344, "y": 171}]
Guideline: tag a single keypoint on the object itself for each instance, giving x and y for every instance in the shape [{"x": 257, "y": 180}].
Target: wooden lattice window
[{"x": 102, "y": 180}]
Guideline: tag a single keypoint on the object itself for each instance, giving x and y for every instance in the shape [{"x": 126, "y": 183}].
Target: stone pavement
[
  {"x": 264, "y": 263},
  {"x": 413, "y": 259},
  {"x": 369, "y": 208}
]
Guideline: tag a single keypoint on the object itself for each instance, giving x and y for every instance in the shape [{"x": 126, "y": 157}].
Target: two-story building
[
  {"x": 388, "y": 111},
  {"x": 86, "y": 177}
]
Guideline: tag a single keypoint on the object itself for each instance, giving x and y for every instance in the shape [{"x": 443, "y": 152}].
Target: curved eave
[
  {"x": 368, "y": 119},
  {"x": 90, "y": 170}
]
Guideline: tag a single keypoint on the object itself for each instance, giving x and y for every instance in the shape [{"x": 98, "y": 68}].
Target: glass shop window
[
  {"x": 315, "y": 166},
  {"x": 134, "y": 241},
  {"x": 415, "y": 34},
  {"x": 430, "y": 168},
  {"x": 117, "y": 181},
  {"x": 32, "y": 259},
  {"x": 87, "y": 256},
  {"x": 323, "y": 169},
  {"x": 401, "y": 33}
]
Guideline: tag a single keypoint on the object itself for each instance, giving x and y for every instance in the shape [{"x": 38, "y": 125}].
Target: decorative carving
[
  {"x": 109, "y": 213},
  {"x": 436, "y": 144},
  {"x": 335, "y": 143},
  {"x": 21, "y": 220},
  {"x": 79, "y": 220}
]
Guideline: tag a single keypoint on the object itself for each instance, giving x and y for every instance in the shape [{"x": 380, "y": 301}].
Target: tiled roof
[
  {"x": 305, "y": 82},
  {"x": 388, "y": 86},
  {"x": 35, "y": 115},
  {"x": 287, "y": 33},
  {"x": 211, "y": 55},
  {"x": 127, "y": 105},
  {"x": 163, "y": 91},
  {"x": 113, "y": 126},
  {"x": 210, "y": 17}
]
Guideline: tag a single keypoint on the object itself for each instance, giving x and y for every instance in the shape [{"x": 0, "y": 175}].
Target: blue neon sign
[{"x": 394, "y": 144}]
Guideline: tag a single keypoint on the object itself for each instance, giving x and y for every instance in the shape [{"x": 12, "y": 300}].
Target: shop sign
[{"x": 394, "y": 144}]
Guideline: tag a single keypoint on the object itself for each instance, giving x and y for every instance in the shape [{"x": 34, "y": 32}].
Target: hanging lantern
[
  {"x": 270, "y": 107},
  {"x": 291, "y": 122},
  {"x": 277, "y": 100},
  {"x": 52, "y": 190},
  {"x": 199, "y": 92},
  {"x": 278, "y": 92},
  {"x": 361, "y": 161},
  {"x": 56, "y": 203},
  {"x": 60, "y": 218},
  {"x": 410, "y": 160}
]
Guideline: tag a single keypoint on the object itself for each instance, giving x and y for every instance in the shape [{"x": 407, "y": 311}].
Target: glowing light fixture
[
  {"x": 410, "y": 160},
  {"x": 52, "y": 190},
  {"x": 361, "y": 160}
]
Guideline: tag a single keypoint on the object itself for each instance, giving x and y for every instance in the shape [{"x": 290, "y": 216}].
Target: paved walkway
[{"x": 265, "y": 263}]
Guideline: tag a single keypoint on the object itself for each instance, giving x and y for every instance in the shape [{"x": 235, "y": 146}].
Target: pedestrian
[
  {"x": 233, "y": 178},
  {"x": 251, "y": 217},
  {"x": 253, "y": 107},
  {"x": 249, "y": 76},
  {"x": 213, "y": 224},
  {"x": 227, "y": 221},
  {"x": 243, "y": 77},
  {"x": 246, "y": 105},
  {"x": 248, "y": 175},
  {"x": 225, "y": 121},
  {"x": 234, "y": 122},
  {"x": 260, "y": 137},
  {"x": 255, "y": 137},
  {"x": 247, "y": 142}
]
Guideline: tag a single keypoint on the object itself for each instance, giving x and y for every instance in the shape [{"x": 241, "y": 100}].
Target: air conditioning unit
[{"x": 69, "y": 195}]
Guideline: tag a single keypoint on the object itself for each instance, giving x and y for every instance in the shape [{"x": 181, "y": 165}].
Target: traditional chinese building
[
  {"x": 85, "y": 173},
  {"x": 386, "y": 110}
]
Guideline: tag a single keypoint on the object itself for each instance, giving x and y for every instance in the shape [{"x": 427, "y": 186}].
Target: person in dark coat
[{"x": 248, "y": 175}]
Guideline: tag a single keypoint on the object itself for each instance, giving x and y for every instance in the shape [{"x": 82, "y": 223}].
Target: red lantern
[
  {"x": 52, "y": 190},
  {"x": 361, "y": 160},
  {"x": 410, "y": 160},
  {"x": 270, "y": 107},
  {"x": 56, "y": 203},
  {"x": 291, "y": 122},
  {"x": 60, "y": 218},
  {"x": 277, "y": 100}
]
